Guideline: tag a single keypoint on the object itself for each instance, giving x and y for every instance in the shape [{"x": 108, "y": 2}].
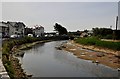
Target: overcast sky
[
  {"x": 73, "y": 15},
  {"x": 60, "y": 0}
]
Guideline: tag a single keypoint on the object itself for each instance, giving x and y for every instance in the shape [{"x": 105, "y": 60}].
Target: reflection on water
[{"x": 44, "y": 60}]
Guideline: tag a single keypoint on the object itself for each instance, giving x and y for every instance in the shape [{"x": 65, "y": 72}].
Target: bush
[{"x": 108, "y": 37}]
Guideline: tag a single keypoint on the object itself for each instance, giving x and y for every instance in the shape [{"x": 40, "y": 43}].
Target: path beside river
[{"x": 87, "y": 53}]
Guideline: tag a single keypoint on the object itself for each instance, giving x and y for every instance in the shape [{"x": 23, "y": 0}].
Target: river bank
[
  {"x": 16, "y": 50},
  {"x": 12, "y": 47},
  {"x": 95, "y": 54}
]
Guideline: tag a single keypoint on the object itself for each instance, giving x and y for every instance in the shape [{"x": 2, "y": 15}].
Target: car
[
  {"x": 38, "y": 36},
  {"x": 14, "y": 36},
  {"x": 30, "y": 35}
]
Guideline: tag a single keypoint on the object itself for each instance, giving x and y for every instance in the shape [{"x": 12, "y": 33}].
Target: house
[
  {"x": 4, "y": 29},
  {"x": 16, "y": 28},
  {"x": 85, "y": 34},
  {"x": 39, "y": 31},
  {"x": 28, "y": 31}
]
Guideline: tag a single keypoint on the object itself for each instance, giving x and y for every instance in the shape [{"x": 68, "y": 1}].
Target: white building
[
  {"x": 16, "y": 28},
  {"x": 4, "y": 30},
  {"x": 39, "y": 31}
]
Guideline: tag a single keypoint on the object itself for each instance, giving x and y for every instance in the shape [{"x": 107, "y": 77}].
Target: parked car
[
  {"x": 38, "y": 36},
  {"x": 30, "y": 35},
  {"x": 14, "y": 36}
]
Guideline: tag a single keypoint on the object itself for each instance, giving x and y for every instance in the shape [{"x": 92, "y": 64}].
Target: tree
[
  {"x": 103, "y": 32},
  {"x": 61, "y": 30}
]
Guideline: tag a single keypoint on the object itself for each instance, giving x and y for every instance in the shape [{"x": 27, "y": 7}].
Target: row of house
[{"x": 18, "y": 28}]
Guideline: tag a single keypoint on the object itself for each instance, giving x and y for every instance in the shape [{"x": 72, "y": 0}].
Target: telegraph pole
[
  {"x": 115, "y": 31},
  {"x": 116, "y": 22}
]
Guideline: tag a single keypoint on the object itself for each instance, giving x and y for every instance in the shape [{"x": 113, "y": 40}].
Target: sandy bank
[{"x": 95, "y": 54}]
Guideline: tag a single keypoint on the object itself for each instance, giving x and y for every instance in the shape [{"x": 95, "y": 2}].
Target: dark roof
[
  {"x": 16, "y": 24},
  {"x": 3, "y": 24}
]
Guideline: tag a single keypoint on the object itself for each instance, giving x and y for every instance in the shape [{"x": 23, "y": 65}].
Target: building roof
[
  {"x": 16, "y": 24},
  {"x": 38, "y": 27},
  {"x": 3, "y": 24},
  {"x": 21, "y": 24}
]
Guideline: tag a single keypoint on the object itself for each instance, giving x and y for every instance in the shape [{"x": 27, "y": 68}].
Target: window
[{"x": 16, "y": 29}]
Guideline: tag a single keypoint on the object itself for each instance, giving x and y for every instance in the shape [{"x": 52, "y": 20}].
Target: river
[{"x": 44, "y": 60}]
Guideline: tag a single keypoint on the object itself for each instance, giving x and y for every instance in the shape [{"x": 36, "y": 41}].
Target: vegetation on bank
[
  {"x": 106, "y": 33},
  {"x": 7, "y": 58},
  {"x": 97, "y": 42}
]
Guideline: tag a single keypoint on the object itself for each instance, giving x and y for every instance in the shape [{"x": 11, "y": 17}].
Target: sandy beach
[{"x": 95, "y": 54}]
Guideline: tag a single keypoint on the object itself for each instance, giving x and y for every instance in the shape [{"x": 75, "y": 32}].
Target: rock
[
  {"x": 78, "y": 56},
  {"x": 95, "y": 61},
  {"x": 100, "y": 55},
  {"x": 72, "y": 49},
  {"x": 63, "y": 46},
  {"x": 83, "y": 53},
  {"x": 29, "y": 75},
  {"x": 117, "y": 56},
  {"x": 118, "y": 69},
  {"x": 74, "y": 53},
  {"x": 20, "y": 54},
  {"x": 59, "y": 48}
]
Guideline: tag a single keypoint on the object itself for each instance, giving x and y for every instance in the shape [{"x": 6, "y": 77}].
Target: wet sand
[{"x": 95, "y": 54}]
